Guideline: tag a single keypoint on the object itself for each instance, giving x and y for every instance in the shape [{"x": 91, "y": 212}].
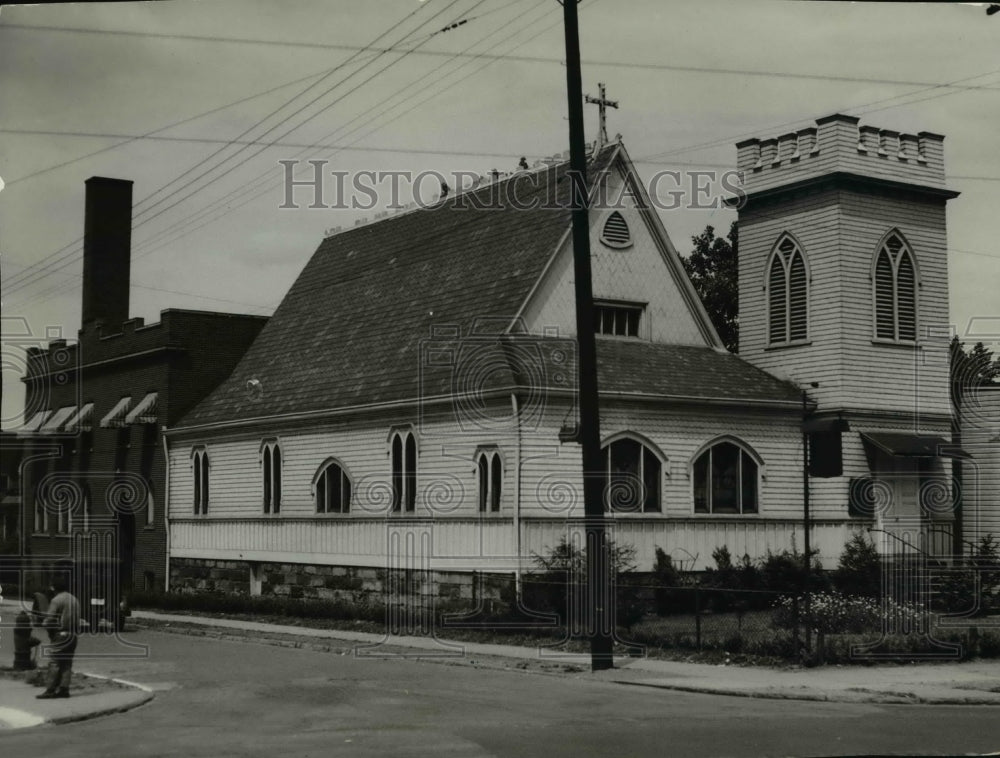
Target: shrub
[
  {"x": 734, "y": 585},
  {"x": 989, "y": 644},
  {"x": 561, "y": 575},
  {"x": 834, "y": 613},
  {"x": 986, "y": 560},
  {"x": 785, "y": 572},
  {"x": 971, "y": 586},
  {"x": 667, "y": 578},
  {"x": 859, "y": 571}
]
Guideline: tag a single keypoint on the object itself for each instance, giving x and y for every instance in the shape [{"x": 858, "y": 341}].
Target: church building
[{"x": 411, "y": 403}]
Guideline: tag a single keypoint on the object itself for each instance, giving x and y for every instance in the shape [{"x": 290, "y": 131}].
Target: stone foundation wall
[
  {"x": 357, "y": 584},
  {"x": 196, "y": 575}
]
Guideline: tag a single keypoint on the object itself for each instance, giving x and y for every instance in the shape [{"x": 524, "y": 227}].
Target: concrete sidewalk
[
  {"x": 20, "y": 708},
  {"x": 970, "y": 683}
]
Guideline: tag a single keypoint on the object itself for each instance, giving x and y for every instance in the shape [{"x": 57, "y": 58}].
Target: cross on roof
[{"x": 602, "y": 103}]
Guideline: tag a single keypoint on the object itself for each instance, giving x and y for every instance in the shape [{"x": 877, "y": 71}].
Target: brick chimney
[{"x": 107, "y": 239}]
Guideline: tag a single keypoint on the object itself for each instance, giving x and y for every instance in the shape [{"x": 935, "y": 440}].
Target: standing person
[
  {"x": 64, "y": 615},
  {"x": 40, "y": 611}
]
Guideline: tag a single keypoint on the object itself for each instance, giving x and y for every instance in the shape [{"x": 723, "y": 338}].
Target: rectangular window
[{"x": 620, "y": 320}]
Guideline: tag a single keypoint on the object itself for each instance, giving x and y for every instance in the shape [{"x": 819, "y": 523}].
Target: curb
[
  {"x": 851, "y": 695},
  {"x": 147, "y": 694}
]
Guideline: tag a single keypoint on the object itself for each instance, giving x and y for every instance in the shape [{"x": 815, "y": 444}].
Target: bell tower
[
  {"x": 843, "y": 289},
  {"x": 843, "y": 267}
]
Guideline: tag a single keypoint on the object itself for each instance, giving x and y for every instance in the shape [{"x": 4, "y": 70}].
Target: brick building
[{"x": 95, "y": 407}]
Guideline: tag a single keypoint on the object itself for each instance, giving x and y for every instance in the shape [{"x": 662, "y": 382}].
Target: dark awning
[{"x": 906, "y": 445}]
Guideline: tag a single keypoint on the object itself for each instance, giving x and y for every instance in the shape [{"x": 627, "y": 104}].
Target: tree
[
  {"x": 972, "y": 369},
  {"x": 713, "y": 272}
]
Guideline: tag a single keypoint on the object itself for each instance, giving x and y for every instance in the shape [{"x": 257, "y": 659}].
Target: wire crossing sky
[{"x": 197, "y": 103}]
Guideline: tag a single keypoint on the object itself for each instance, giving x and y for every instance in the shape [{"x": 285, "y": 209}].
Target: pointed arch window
[
  {"x": 726, "y": 479},
  {"x": 787, "y": 294},
  {"x": 489, "y": 472},
  {"x": 270, "y": 458},
  {"x": 403, "y": 453},
  {"x": 615, "y": 232},
  {"x": 332, "y": 488},
  {"x": 632, "y": 476},
  {"x": 894, "y": 280},
  {"x": 199, "y": 467}
]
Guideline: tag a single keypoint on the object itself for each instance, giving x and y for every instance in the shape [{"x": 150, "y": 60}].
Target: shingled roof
[
  {"x": 684, "y": 371},
  {"x": 349, "y": 331},
  {"x": 356, "y": 326}
]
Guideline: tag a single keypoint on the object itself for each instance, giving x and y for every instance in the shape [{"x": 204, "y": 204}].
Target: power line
[
  {"x": 146, "y": 135},
  {"x": 445, "y": 9},
  {"x": 254, "y": 193},
  {"x": 727, "y": 141},
  {"x": 285, "y": 134},
  {"x": 68, "y": 257},
  {"x": 248, "y": 192},
  {"x": 67, "y": 254},
  {"x": 248, "y": 187},
  {"x": 975, "y": 252},
  {"x": 507, "y": 57}
]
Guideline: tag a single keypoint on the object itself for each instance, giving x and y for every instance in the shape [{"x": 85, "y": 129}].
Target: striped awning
[
  {"x": 57, "y": 419},
  {"x": 116, "y": 416},
  {"x": 81, "y": 421},
  {"x": 144, "y": 412},
  {"x": 35, "y": 421}
]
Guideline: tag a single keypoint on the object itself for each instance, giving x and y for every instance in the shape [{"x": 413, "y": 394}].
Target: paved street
[{"x": 219, "y": 698}]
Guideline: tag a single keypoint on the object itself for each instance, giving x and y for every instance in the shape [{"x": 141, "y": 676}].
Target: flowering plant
[{"x": 834, "y": 613}]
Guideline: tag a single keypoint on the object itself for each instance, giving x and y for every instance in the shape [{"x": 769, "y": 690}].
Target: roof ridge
[{"x": 555, "y": 162}]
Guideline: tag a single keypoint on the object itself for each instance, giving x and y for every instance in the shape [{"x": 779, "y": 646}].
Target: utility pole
[
  {"x": 807, "y": 525},
  {"x": 600, "y": 602}
]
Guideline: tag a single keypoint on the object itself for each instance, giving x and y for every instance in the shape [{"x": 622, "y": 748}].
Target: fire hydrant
[{"x": 23, "y": 643}]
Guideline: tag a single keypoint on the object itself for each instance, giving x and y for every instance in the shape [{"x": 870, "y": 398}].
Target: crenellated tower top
[{"x": 838, "y": 145}]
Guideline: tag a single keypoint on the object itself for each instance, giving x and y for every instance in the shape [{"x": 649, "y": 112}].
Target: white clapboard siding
[
  {"x": 840, "y": 233},
  {"x": 440, "y": 544},
  {"x": 549, "y": 474},
  {"x": 446, "y": 473},
  {"x": 690, "y": 542},
  {"x": 839, "y": 145}
]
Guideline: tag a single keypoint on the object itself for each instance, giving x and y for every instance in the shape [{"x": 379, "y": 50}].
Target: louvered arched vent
[
  {"x": 616, "y": 232},
  {"x": 788, "y": 294},
  {"x": 895, "y": 291}
]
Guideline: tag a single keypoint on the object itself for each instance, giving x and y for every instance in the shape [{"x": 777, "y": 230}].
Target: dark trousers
[{"x": 62, "y": 651}]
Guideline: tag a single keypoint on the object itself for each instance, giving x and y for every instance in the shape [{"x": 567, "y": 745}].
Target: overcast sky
[{"x": 139, "y": 91}]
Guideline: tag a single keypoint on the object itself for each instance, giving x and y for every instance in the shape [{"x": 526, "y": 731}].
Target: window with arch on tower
[
  {"x": 725, "y": 479},
  {"x": 895, "y": 291},
  {"x": 787, "y": 294},
  {"x": 632, "y": 477}
]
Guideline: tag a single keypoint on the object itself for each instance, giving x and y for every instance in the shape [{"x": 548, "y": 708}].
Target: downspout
[
  {"x": 517, "y": 494},
  {"x": 166, "y": 508},
  {"x": 957, "y": 477}
]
